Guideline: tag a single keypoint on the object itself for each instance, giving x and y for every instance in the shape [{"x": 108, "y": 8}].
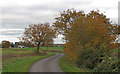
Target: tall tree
[
  {"x": 37, "y": 33},
  {"x": 85, "y": 30}
]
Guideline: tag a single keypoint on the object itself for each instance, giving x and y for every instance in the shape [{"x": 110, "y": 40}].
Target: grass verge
[
  {"x": 22, "y": 64},
  {"x": 67, "y": 66}
]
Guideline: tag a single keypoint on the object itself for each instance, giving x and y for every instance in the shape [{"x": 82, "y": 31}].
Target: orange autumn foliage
[
  {"x": 38, "y": 35},
  {"x": 85, "y": 30}
]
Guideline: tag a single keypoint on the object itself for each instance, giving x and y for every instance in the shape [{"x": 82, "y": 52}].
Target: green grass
[
  {"x": 14, "y": 51},
  {"x": 21, "y": 64},
  {"x": 67, "y": 66},
  {"x": 53, "y": 48},
  {"x": 49, "y": 48},
  {"x": 116, "y": 50},
  {"x": 28, "y": 50}
]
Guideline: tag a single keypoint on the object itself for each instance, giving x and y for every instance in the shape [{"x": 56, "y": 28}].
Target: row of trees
[
  {"x": 8, "y": 44},
  {"x": 88, "y": 36}
]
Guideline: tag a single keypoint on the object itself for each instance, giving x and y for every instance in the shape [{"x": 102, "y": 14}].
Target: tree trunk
[{"x": 38, "y": 47}]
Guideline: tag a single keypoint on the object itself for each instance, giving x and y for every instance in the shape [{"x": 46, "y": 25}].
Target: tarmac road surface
[{"x": 50, "y": 64}]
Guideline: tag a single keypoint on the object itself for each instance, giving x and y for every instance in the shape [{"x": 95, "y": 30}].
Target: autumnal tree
[
  {"x": 36, "y": 34},
  {"x": 5, "y": 44},
  {"x": 82, "y": 30},
  {"x": 93, "y": 30},
  {"x": 63, "y": 22},
  {"x": 48, "y": 42}
]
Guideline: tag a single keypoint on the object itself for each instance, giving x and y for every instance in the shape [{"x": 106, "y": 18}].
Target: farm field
[
  {"x": 27, "y": 50},
  {"x": 13, "y": 59}
]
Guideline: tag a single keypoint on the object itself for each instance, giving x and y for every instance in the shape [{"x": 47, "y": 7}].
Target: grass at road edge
[
  {"x": 23, "y": 64},
  {"x": 67, "y": 66}
]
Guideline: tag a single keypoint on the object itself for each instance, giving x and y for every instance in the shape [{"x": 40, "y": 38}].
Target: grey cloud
[
  {"x": 11, "y": 32},
  {"x": 119, "y": 13},
  {"x": 20, "y": 16},
  {"x": 29, "y": 16},
  {"x": 56, "y": 7}
]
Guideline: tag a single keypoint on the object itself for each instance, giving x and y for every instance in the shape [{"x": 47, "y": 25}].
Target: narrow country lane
[{"x": 50, "y": 64}]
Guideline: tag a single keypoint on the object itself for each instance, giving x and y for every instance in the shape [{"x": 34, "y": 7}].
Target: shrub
[
  {"x": 5, "y": 44},
  {"x": 109, "y": 64},
  {"x": 87, "y": 58}
]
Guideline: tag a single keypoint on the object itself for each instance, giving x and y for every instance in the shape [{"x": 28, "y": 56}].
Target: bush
[
  {"x": 91, "y": 58},
  {"x": 97, "y": 61},
  {"x": 109, "y": 64},
  {"x": 87, "y": 58}
]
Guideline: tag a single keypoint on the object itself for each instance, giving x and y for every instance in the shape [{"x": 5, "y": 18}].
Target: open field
[
  {"x": 16, "y": 51},
  {"x": 49, "y": 48},
  {"x": 27, "y": 50},
  {"x": 15, "y": 58}
]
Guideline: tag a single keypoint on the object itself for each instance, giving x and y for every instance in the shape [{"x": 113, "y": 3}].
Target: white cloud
[{"x": 59, "y": 40}]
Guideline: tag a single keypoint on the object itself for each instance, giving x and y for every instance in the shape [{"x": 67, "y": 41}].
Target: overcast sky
[{"x": 15, "y": 15}]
